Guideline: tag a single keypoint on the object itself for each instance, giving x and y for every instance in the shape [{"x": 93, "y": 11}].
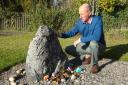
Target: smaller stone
[
  {"x": 77, "y": 81},
  {"x": 12, "y": 78},
  {"x": 82, "y": 71},
  {"x": 78, "y": 70},
  {"x": 46, "y": 77},
  {"x": 94, "y": 81},
  {"x": 13, "y": 83},
  {"x": 73, "y": 77},
  {"x": 76, "y": 74},
  {"x": 20, "y": 71},
  {"x": 24, "y": 72},
  {"x": 53, "y": 74},
  {"x": 49, "y": 82},
  {"x": 65, "y": 75},
  {"x": 63, "y": 80},
  {"x": 58, "y": 80},
  {"x": 72, "y": 71},
  {"x": 54, "y": 83}
]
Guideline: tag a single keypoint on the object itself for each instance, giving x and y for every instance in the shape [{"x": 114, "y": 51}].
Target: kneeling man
[{"x": 91, "y": 42}]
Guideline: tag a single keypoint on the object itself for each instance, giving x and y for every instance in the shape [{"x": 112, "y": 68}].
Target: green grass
[
  {"x": 13, "y": 47},
  {"x": 117, "y": 45}
]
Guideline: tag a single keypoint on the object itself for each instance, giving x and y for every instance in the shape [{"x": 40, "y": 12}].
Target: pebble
[
  {"x": 115, "y": 73},
  {"x": 49, "y": 82},
  {"x": 72, "y": 71},
  {"x": 78, "y": 70},
  {"x": 63, "y": 80},
  {"x": 12, "y": 78},
  {"x": 24, "y": 72},
  {"x": 73, "y": 77},
  {"x": 20, "y": 71},
  {"x": 54, "y": 83},
  {"x": 94, "y": 81},
  {"x": 53, "y": 74},
  {"x": 46, "y": 77},
  {"x": 65, "y": 75},
  {"x": 13, "y": 83},
  {"x": 77, "y": 81}
]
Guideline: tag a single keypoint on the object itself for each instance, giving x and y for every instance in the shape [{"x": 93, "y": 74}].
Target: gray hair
[{"x": 86, "y": 5}]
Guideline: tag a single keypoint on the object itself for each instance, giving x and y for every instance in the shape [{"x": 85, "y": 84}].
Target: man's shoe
[
  {"x": 87, "y": 61},
  {"x": 95, "y": 69}
]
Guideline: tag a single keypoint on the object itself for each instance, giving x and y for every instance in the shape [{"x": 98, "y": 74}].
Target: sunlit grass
[{"x": 13, "y": 48}]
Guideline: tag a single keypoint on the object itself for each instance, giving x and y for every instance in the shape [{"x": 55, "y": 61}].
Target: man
[{"x": 91, "y": 43}]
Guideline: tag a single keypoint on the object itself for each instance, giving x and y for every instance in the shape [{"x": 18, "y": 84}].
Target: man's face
[{"x": 84, "y": 14}]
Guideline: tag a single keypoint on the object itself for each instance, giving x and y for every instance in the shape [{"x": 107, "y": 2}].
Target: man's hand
[{"x": 76, "y": 42}]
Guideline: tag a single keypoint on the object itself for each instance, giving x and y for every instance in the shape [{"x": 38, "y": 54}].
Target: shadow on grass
[{"x": 115, "y": 52}]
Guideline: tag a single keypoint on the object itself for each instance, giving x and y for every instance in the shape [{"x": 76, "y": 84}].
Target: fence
[
  {"x": 18, "y": 22},
  {"x": 23, "y": 22}
]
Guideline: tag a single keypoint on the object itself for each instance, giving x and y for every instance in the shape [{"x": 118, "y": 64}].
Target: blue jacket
[{"x": 88, "y": 32}]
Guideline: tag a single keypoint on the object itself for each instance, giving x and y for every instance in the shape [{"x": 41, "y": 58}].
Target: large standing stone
[{"x": 45, "y": 55}]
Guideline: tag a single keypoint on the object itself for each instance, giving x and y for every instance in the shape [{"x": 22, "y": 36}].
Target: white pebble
[
  {"x": 24, "y": 72},
  {"x": 18, "y": 71},
  {"x": 53, "y": 74},
  {"x": 94, "y": 81},
  {"x": 72, "y": 71},
  {"x": 13, "y": 83},
  {"x": 73, "y": 77},
  {"x": 63, "y": 80},
  {"x": 12, "y": 78},
  {"x": 49, "y": 82},
  {"x": 77, "y": 81}
]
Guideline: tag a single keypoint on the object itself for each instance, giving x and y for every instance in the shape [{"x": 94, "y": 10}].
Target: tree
[{"x": 110, "y": 6}]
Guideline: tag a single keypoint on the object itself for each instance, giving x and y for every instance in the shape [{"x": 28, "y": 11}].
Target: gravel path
[{"x": 112, "y": 73}]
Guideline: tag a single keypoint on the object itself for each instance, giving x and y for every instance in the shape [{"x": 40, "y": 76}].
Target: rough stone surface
[{"x": 45, "y": 55}]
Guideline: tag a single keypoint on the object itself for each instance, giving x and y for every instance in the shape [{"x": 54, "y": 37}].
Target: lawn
[
  {"x": 14, "y": 45},
  {"x": 13, "y": 48}
]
